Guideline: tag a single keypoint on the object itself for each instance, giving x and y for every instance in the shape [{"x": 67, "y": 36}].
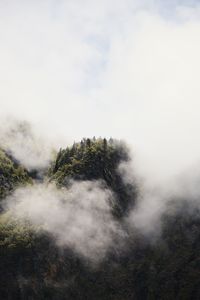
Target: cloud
[
  {"x": 157, "y": 199},
  {"x": 25, "y": 144},
  {"x": 126, "y": 69},
  {"x": 79, "y": 217},
  {"x": 151, "y": 82}
]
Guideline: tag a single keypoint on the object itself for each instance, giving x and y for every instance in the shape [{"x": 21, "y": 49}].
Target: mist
[
  {"x": 128, "y": 70},
  {"x": 78, "y": 217},
  {"x": 21, "y": 140}
]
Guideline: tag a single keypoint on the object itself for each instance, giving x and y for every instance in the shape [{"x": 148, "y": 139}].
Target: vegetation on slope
[
  {"x": 96, "y": 159},
  {"x": 12, "y": 174},
  {"x": 33, "y": 267}
]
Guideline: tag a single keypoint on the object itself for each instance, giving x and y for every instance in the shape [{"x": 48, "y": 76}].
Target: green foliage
[
  {"x": 11, "y": 174},
  {"x": 95, "y": 159},
  {"x": 14, "y": 233},
  {"x": 33, "y": 267},
  {"x": 89, "y": 159}
]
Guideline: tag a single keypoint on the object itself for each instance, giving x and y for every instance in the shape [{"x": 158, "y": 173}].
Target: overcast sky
[{"x": 122, "y": 68}]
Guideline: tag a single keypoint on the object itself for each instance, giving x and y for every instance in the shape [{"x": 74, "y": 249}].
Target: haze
[{"x": 126, "y": 69}]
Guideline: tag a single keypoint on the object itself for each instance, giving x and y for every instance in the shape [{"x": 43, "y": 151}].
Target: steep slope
[
  {"x": 96, "y": 159},
  {"x": 12, "y": 174},
  {"x": 33, "y": 267}
]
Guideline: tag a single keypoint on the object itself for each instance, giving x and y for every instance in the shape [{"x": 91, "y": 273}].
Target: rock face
[{"x": 34, "y": 267}]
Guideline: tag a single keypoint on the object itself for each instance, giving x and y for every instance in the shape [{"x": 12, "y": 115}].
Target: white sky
[{"x": 120, "y": 68}]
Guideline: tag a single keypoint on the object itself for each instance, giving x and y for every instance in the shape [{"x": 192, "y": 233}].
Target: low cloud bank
[
  {"x": 79, "y": 217},
  {"x": 157, "y": 198},
  {"x": 24, "y": 143}
]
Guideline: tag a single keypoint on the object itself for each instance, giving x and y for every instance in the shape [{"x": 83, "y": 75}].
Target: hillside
[
  {"x": 12, "y": 174},
  {"x": 96, "y": 159},
  {"x": 33, "y": 266}
]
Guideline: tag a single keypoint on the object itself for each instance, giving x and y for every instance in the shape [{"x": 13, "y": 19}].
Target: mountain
[
  {"x": 33, "y": 266},
  {"x": 12, "y": 174},
  {"x": 96, "y": 159}
]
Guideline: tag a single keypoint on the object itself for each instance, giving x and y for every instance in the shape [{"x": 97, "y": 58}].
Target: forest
[{"x": 134, "y": 266}]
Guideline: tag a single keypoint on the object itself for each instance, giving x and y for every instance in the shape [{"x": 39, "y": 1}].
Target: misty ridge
[
  {"x": 99, "y": 150},
  {"x": 82, "y": 209},
  {"x": 78, "y": 217},
  {"x": 84, "y": 221}
]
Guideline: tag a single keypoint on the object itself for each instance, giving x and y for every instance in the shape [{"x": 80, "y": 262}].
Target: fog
[
  {"x": 25, "y": 144},
  {"x": 79, "y": 217},
  {"x": 126, "y": 69}
]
